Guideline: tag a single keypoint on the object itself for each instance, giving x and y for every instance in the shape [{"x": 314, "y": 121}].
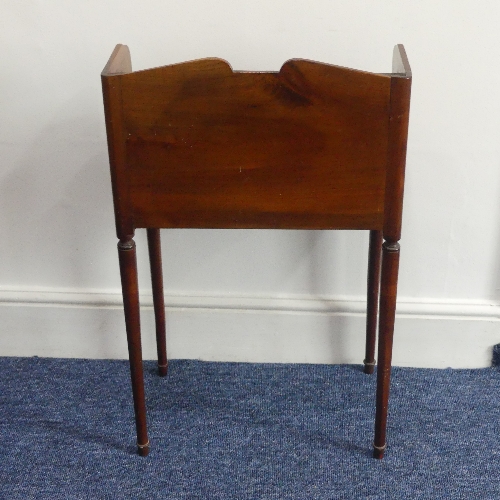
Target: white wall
[{"x": 56, "y": 219}]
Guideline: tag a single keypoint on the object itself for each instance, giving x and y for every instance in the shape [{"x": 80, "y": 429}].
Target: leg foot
[
  {"x": 143, "y": 449},
  {"x": 378, "y": 451},
  {"x": 369, "y": 366},
  {"x": 162, "y": 370}
]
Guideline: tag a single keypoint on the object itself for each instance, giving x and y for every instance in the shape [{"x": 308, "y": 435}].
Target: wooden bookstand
[{"x": 313, "y": 146}]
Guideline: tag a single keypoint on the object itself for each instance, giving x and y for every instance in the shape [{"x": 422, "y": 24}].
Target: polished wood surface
[
  {"x": 398, "y": 136},
  {"x": 304, "y": 148},
  {"x": 393, "y": 211},
  {"x": 313, "y": 146},
  {"x": 154, "y": 248},
  {"x": 130, "y": 288},
  {"x": 388, "y": 293}
]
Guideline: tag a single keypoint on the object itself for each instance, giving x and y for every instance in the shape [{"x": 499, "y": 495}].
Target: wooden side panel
[
  {"x": 303, "y": 148},
  {"x": 118, "y": 63},
  {"x": 398, "y": 136},
  {"x": 111, "y": 90},
  {"x": 398, "y": 133}
]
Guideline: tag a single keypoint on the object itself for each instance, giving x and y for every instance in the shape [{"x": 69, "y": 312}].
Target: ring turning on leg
[{"x": 143, "y": 449}]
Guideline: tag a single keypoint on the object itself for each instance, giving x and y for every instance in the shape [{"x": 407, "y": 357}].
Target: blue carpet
[{"x": 245, "y": 431}]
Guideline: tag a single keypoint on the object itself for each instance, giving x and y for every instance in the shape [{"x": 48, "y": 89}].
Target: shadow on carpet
[{"x": 245, "y": 431}]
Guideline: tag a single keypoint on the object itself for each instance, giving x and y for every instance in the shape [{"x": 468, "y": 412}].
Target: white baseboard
[{"x": 283, "y": 329}]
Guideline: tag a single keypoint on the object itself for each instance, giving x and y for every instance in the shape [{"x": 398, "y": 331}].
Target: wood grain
[
  {"x": 398, "y": 137},
  {"x": 304, "y": 148}
]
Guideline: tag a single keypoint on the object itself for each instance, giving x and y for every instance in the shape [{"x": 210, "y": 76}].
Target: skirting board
[{"x": 292, "y": 329}]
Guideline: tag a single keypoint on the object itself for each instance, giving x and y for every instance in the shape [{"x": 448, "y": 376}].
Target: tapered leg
[
  {"x": 374, "y": 258},
  {"x": 388, "y": 291},
  {"x": 130, "y": 290},
  {"x": 154, "y": 245}
]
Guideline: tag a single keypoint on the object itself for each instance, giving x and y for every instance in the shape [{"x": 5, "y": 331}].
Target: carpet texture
[{"x": 245, "y": 431}]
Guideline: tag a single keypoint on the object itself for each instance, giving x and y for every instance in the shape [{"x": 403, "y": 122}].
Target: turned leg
[
  {"x": 130, "y": 290},
  {"x": 388, "y": 290},
  {"x": 154, "y": 246},
  {"x": 374, "y": 258}
]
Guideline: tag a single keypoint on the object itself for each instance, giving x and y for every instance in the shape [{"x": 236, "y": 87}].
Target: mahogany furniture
[{"x": 313, "y": 146}]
